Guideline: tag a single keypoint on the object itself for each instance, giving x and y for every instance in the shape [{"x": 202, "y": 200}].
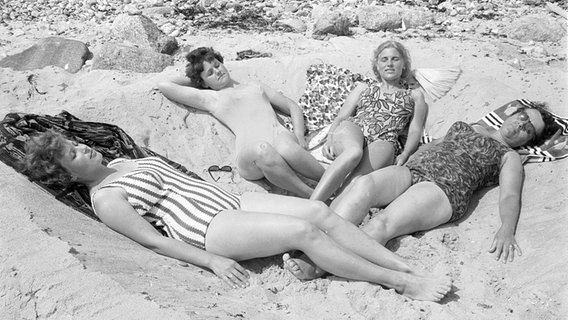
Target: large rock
[
  {"x": 391, "y": 17},
  {"x": 140, "y": 30},
  {"x": 113, "y": 56},
  {"x": 536, "y": 28},
  {"x": 380, "y": 18},
  {"x": 52, "y": 51}
]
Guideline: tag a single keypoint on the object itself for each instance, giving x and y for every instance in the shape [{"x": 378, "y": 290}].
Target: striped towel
[{"x": 554, "y": 148}]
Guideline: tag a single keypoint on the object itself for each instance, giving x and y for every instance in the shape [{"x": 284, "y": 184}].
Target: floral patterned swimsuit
[
  {"x": 463, "y": 162},
  {"x": 383, "y": 118}
]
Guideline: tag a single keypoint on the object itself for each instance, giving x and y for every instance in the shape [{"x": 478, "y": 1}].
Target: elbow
[
  {"x": 154, "y": 243},
  {"x": 163, "y": 85}
]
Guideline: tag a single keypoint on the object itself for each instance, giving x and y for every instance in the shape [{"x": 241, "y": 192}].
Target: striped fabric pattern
[
  {"x": 180, "y": 206},
  {"x": 553, "y": 149}
]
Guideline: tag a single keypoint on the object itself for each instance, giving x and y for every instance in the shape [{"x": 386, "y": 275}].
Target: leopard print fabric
[{"x": 326, "y": 89}]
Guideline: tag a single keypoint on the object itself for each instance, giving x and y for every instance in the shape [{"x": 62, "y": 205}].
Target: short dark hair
[
  {"x": 41, "y": 161},
  {"x": 195, "y": 61},
  {"x": 550, "y": 126}
]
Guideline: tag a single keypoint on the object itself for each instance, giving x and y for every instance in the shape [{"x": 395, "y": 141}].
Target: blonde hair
[{"x": 401, "y": 50}]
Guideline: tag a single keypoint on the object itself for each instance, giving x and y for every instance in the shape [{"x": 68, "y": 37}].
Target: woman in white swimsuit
[{"x": 264, "y": 148}]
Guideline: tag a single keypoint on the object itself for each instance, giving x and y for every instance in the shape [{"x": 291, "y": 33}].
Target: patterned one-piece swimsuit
[
  {"x": 384, "y": 118},
  {"x": 463, "y": 162},
  {"x": 179, "y": 206}
]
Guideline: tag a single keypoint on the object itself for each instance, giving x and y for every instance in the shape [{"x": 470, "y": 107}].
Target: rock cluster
[{"x": 176, "y": 17}]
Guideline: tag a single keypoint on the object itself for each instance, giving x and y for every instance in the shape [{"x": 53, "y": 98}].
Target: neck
[
  {"x": 391, "y": 84},
  {"x": 496, "y": 134},
  {"x": 95, "y": 178}
]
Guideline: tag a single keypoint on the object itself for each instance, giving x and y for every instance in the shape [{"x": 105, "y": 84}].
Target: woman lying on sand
[
  {"x": 436, "y": 184},
  {"x": 210, "y": 227},
  {"x": 364, "y": 135},
  {"x": 264, "y": 148}
]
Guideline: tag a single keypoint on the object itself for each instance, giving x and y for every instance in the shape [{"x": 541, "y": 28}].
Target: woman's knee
[
  {"x": 264, "y": 154},
  {"x": 305, "y": 232},
  {"x": 362, "y": 185},
  {"x": 319, "y": 212},
  {"x": 377, "y": 227}
]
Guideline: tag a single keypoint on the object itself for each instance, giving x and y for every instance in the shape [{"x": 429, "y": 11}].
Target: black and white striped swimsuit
[{"x": 180, "y": 206}]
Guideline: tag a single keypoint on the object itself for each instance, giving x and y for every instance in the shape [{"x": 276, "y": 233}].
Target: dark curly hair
[
  {"x": 401, "y": 50},
  {"x": 41, "y": 160},
  {"x": 195, "y": 61}
]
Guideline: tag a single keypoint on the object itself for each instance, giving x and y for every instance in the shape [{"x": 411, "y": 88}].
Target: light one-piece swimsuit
[{"x": 177, "y": 205}]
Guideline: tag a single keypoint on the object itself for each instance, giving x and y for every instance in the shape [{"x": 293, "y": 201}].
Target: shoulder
[
  {"x": 105, "y": 198},
  {"x": 416, "y": 94}
]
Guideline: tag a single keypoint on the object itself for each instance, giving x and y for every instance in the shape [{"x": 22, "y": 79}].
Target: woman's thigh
[
  {"x": 347, "y": 135},
  {"x": 243, "y": 235},
  {"x": 376, "y": 155},
  {"x": 247, "y": 155},
  {"x": 279, "y": 204}
]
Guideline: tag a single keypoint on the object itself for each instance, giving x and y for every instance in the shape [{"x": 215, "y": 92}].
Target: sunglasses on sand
[{"x": 216, "y": 168}]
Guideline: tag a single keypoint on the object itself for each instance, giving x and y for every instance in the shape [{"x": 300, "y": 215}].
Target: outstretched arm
[
  {"x": 179, "y": 89},
  {"x": 285, "y": 105},
  {"x": 114, "y": 210},
  {"x": 416, "y": 127},
  {"x": 510, "y": 188}
]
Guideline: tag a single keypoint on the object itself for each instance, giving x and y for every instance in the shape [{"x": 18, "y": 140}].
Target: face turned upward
[
  {"x": 390, "y": 64},
  {"x": 522, "y": 127},
  {"x": 215, "y": 76}
]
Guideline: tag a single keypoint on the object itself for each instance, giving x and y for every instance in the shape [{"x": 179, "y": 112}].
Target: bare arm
[
  {"x": 114, "y": 210},
  {"x": 179, "y": 90},
  {"x": 416, "y": 127},
  {"x": 510, "y": 188},
  {"x": 287, "y": 106}
]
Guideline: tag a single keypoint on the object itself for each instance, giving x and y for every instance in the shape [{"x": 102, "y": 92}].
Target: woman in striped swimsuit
[{"x": 197, "y": 222}]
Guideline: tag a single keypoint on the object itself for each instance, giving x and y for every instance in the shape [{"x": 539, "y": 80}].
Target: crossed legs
[{"x": 325, "y": 238}]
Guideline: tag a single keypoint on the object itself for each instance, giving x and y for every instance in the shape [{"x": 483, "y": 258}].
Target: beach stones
[
  {"x": 113, "y": 56},
  {"x": 536, "y": 28},
  {"x": 69, "y": 55},
  {"x": 142, "y": 31}
]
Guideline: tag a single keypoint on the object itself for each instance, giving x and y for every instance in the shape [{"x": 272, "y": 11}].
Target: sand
[{"x": 58, "y": 264}]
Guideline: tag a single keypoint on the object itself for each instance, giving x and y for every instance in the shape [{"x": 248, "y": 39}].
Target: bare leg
[
  {"x": 299, "y": 159},
  {"x": 244, "y": 235},
  {"x": 348, "y": 146},
  {"x": 317, "y": 213},
  {"x": 376, "y": 189},
  {"x": 377, "y": 155},
  {"x": 262, "y": 160},
  {"x": 422, "y": 207}
]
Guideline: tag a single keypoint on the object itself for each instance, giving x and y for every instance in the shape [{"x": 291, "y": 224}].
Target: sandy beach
[{"x": 59, "y": 264}]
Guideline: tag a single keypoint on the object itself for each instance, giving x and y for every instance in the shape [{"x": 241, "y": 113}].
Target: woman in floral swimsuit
[
  {"x": 436, "y": 184},
  {"x": 364, "y": 135}
]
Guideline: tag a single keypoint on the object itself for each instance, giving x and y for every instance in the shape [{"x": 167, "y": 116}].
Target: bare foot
[
  {"x": 302, "y": 267},
  {"x": 427, "y": 289}
]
